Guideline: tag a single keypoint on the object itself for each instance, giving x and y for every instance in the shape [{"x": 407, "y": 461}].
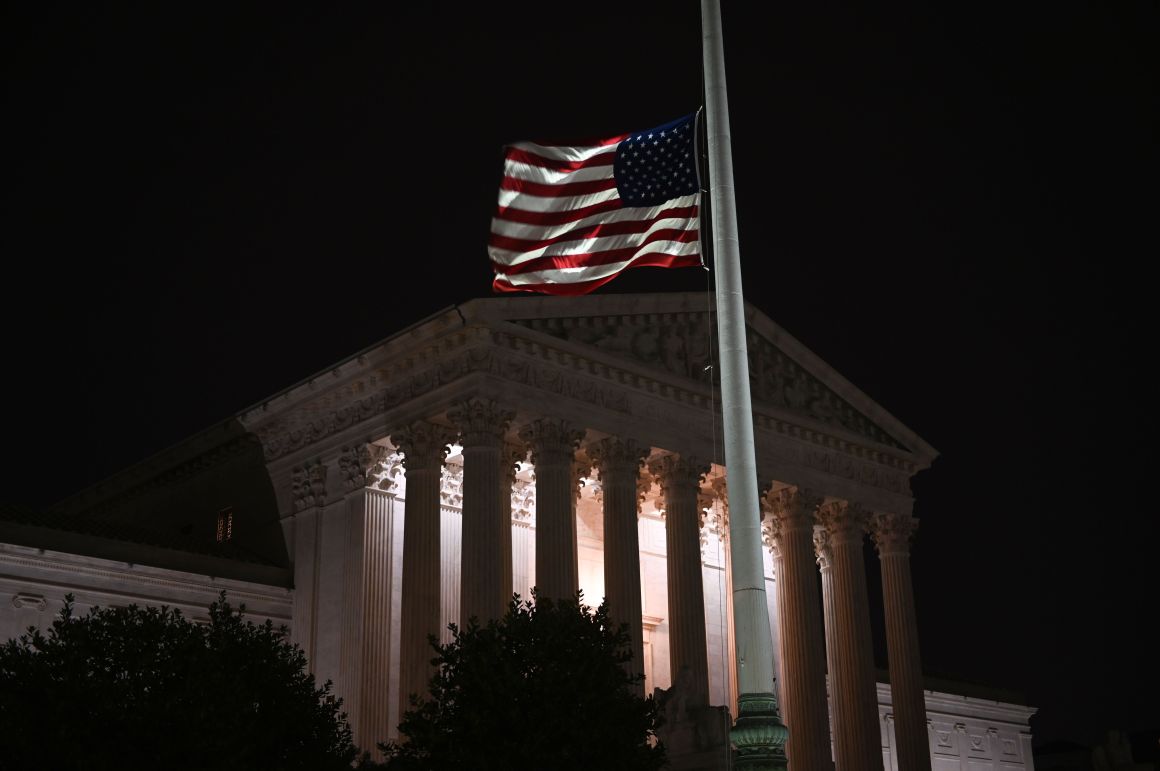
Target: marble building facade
[{"x": 563, "y": 443}]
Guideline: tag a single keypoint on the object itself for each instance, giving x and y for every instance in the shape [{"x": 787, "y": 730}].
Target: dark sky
[{"x": 954, "y": 207}]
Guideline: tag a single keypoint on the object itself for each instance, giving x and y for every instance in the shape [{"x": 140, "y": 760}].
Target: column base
[{"x": 759, "y": 735}]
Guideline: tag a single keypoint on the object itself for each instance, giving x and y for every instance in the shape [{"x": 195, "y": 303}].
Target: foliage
[
  {"x": 542, "y": 688},
  {"x": 139, "y": 687}
]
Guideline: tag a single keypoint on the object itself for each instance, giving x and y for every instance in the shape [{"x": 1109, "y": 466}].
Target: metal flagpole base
[{"x": 759, "y": 735}]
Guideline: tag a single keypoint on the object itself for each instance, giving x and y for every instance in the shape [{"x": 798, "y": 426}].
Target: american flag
[{"x": 571, "y": 218}]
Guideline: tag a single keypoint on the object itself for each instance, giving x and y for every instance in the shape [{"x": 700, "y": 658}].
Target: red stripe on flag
[
  {"x": 519, "y": 155},
  {"x": 525, "y": 217},
  {"x": 591, "y": 231},
  {"x": 557, "y": 191},
  {"x": 588, "y": 259},
  {"x": 584, "y": 287}
]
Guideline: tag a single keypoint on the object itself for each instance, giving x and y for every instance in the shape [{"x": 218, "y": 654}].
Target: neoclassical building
[{"x": 561, "y": 443}]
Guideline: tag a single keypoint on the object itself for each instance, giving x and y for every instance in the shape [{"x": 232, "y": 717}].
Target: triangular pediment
[{"x": 785, "y": 377}]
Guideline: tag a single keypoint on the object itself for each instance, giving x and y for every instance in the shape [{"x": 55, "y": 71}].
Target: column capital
[
  {"x": 308, "y": 485},
  {"x": 480, "y": 422},
  {"x": 358, "y": 465},
  {"x": 845, "y": 522},
  {"x": 580, "y": 469},
  {"x": 892, "y": 532},
  {"x": 551, "y": 439},
  {"x": 676, "y": 471},
  {"x": 511, "y": 456},
  {"x": 793, "y": 507},
  {"x": 524, "y": 501},
  {"x": 644, "y": 483},
  {"x": 615, "y": 454},
  {"x": 424, "y": 445},
  {"x": 822, "y": 548}
]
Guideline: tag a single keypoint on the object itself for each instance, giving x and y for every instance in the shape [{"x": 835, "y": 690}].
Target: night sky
[{"x": 954, "y": 207}]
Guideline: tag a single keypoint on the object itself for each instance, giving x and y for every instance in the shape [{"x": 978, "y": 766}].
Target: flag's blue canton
[{"x": 656, "y": 165}]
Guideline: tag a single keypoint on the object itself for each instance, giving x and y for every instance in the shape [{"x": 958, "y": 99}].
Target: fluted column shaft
[
  {"x": 553, "y": 445},
  {"x": 619, "y": 464},
  {"x": 511, "y": 455},
  {"x": 424, "y": 446},
  {"x": 825, "y": 567},
  {"x": 487, "y": 528},
  {"x": 803, "y": 645},
  {"x": 679, "y": 479},
  {"x": 857, "y": 739},
  {"x": 779, "y": 600},
  {"x": 891, "y": 533}
]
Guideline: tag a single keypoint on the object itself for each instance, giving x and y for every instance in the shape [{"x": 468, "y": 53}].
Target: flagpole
[{"x": 758, "y": 733}]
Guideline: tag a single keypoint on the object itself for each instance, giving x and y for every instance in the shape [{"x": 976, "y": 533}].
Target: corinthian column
[
  {"x": 774, "y": 546},
  {"x": 803, "y": 645},
  {"x": 891, "y": 533},
  {"x": 680, "y": 481},
  {"x": 485, "y": 577},
  {"x": 825, "y": 566},
  {"x": 857, "y": 741},
  {"x": 424, "y": 446},
  {"x": 618, "y": 463},
  {"x": 553, "y": 445}
]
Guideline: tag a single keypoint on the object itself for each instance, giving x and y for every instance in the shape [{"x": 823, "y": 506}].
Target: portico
[{"x": 573, "y": 443}]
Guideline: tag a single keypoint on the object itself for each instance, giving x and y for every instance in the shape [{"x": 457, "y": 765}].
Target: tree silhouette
[
  {"x": 132, "y": 687},
  {"x": 542, "y": 688}
]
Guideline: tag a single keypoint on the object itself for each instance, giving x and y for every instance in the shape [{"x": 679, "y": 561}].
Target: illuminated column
[
  {"x": 553, "y": 445},
  {"x": 511, "y": 455},
  {"x": 680, "y": 482},
  {"x": 365, "y": 665},
  {"x": 424, "y": 446},
  {"x": 825, "y": 566},
  {"x": 803, "y": 705},
  {"x": 581, "y": 469},
  {"x": 619, "y": 465},
  {"x": 779, "y": 601},
  {"x": 857, "y": 740},
  {"x": 891, "y": 533},
  {"x": 485, "y": 578},
  {"x": 721, "y": 510}
]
